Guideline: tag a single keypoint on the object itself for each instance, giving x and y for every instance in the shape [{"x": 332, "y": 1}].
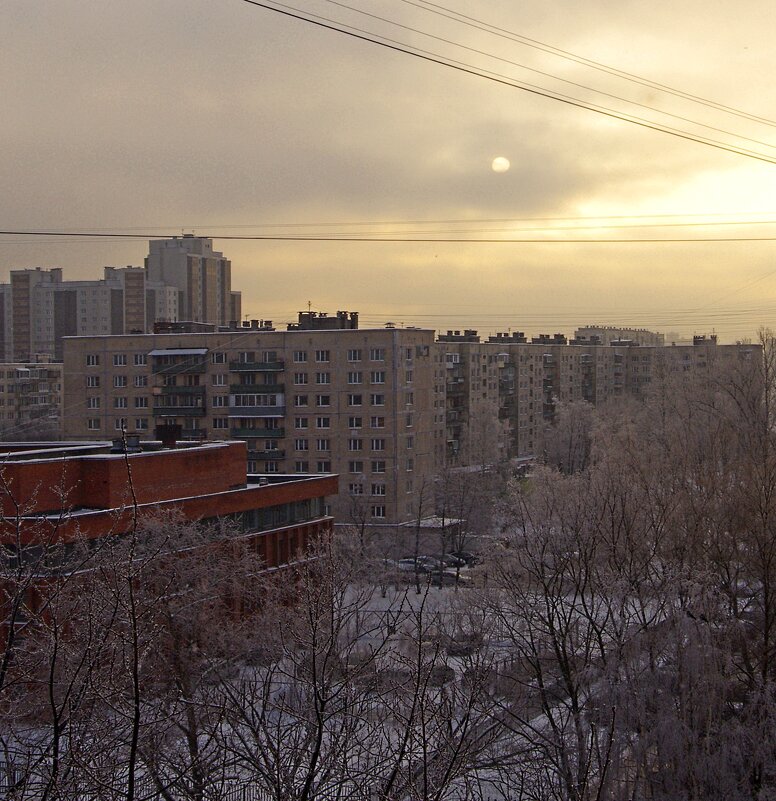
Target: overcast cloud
[{"x": 200, "y": 114}]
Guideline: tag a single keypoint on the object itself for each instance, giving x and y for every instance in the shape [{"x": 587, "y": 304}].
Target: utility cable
[
  {"x": 434, "y": 58},
  {"x": 550, "y": 75},
  {"x": 403, "y": 239},
  {"x": 456, "y": 16}
]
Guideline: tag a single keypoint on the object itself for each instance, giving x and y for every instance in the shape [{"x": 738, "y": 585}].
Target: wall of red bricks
[{"x": 103, "y": 481}]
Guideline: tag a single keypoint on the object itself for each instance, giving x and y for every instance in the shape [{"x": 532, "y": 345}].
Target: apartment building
[
  {"x": 201, "y": 275},
  {"x": 502, "y": 395},
  {"x": 30, "y": 400},
  {"x": 361, "y": 403},
  {"x": 608, "y": 334},
  {"x": 39, "y": 309},
  {"x": 185, "y": 279}
]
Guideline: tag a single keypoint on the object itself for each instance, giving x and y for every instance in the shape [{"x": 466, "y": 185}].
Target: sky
[{"x": 222, "y": 118}]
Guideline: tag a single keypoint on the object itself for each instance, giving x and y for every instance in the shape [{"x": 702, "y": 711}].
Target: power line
[
  {"x": 435, "y": 8},
  {"x": 459, "y": 221},
  {"x": 398, "y": 240},
  {"x": 468, "y": 69},
  {"x": 548, "y": 74}
]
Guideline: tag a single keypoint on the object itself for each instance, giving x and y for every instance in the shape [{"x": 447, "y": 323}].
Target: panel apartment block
[{"x": 361, "y": 403}]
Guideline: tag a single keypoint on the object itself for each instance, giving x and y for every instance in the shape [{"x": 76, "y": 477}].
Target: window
[
  {"x": 301, "y": 467},
  {"x": 378, "y": 489},
  {"x": 301, "y": 422},
  {"x": 323, "y": 466},
  {"x": 377, "y": 354},
  {"x": 322, "y": 355},
  {"x": 301, "y": 445},
  {"x": 120, "y": 424},
  {"x": 323, "y": 445},
  {"x": 141, "y": 402},
  {"x": 119, "y": 381},
  {"x": 219, "y": 357},
  {"x": 377, "y": 376},
  {"x": 323, "y": 400},
  {"x": 378, "y": 512},
  {"x": 300, "y": 400},
  {"x": 300, "y": 356},
  {"x": 220, "y": 401},
  {"x": 354, "y": 400},
  {"x": 408, "y": 376},
  {"x": 410, "y": 465},
  {"x": 356, "y": 467},
  {"x": 409, "y": 398},
  {"x": 92, "y": 403},
  {"x": 141, "y": 381},
  {"x": 93, "y": 381},
  {"x": 354, "y": 355},
  {"x": 220, "y": 422},
  {"x": 378, "y": 444},
  {"x": 92, "y": 359},
  {"x": 354, "y": 422},
  {"x": 377, "y": 422},
  {"x": 323, "y": 378},
  {"x": 93, "y": 424},
  {"x": 355, "y": 377},
  {"x": 356, "y": 488},
  {"x": 378, "y": 466},
  {"x": 378, "y": 399},
  {"x": 140, "y": 359},
  {"x": 271, "y": 467},
  {"x": 141, "y": 424},
  {"x": 218, "y": 379},
  {"x": 246, "y": 357},
  {"x": 410, "y": 443},
  {"x": 355, "y": 444},
  {"x": 300, "y": 379},
  {"x": 323, "y": 422},
  {"x": 119, "y": 359},
  {"x": 408, "y": 354},
  {"x": 410, "y": 419}
]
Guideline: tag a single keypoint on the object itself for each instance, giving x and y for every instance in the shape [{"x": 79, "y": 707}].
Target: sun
[{"x": 500, "y": 164}]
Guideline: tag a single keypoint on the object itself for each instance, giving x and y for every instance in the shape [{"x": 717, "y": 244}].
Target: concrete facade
[
  {"x": 366, "y": 404},
  {"x": 30, "y": 400}
]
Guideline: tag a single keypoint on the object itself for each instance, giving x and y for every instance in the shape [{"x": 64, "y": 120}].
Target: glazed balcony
[{"x": 256, "y": 367}]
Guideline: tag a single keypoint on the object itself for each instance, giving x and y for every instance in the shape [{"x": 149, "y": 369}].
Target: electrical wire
[
  {"x": 403, "y": 239},
  {"x": 399, "y": 47},
  {"x": 473, "y": 22},
  {"x": 545, "y": 74}
]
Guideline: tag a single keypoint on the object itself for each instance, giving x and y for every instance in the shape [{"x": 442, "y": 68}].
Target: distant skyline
[{"x": 224, "y": 118}]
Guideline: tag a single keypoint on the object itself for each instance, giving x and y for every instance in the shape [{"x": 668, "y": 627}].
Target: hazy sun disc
[{"x": 500, "y": 164}]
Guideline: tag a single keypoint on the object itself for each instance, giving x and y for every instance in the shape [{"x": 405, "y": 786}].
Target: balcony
[
  {"x": 182, "y": 391},
  {"x": 257, "y": 389},
  {"x": 256, "y": 367},
  {"x": 182, "y": 368},
  {"x": 260, "y": 433},
  {"x": 267, "y": 456},
  {"x": 179, "y": 411},
  {"x": 257, "y": 411}
]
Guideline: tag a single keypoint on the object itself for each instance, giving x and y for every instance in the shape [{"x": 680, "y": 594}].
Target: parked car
[
  {"x": 468, "y": 557},
  {"x": 449, "y": 578},
  {"x": 451, "y": 560},
  {"x": 410, "y": 564}
]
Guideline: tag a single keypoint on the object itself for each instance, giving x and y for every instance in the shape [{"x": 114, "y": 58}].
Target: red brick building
[{"x": 62, "y": 496}]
